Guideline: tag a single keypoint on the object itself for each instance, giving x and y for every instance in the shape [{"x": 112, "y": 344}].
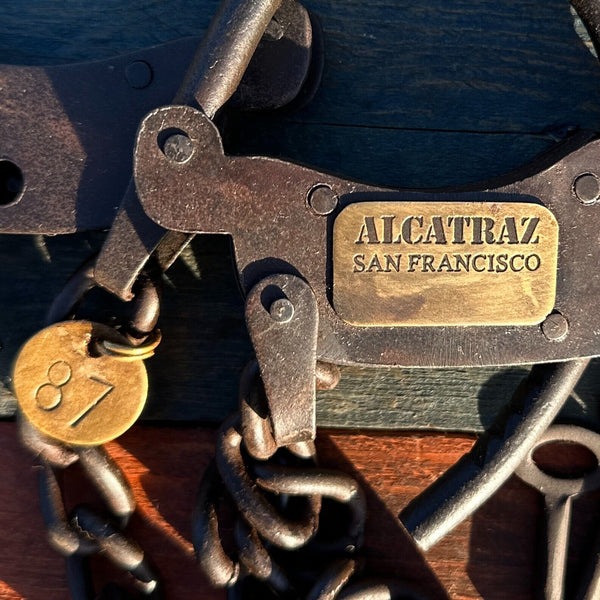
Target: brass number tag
[
  {"x": 444, "y": 263},
  {"x": 72, "y": 396}
]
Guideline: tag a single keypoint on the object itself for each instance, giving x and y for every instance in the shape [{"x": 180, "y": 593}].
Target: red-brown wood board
[{"x": 491, "y": 556}]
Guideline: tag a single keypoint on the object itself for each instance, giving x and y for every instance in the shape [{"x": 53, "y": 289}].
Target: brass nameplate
[{"x": 444, "y": 263}]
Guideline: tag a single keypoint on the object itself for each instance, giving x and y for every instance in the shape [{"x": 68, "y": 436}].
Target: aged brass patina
[
  {"x": 444, "y": 263},
  {"x": 73, "y": 395}
]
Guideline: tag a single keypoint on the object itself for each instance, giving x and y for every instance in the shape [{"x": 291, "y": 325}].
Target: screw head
[
  {"x": 138, "y": 74},
  {"x": 555, "y": 327},
  {"x": 178, "y": 147},
  {"x": 587, "y": 188},
  {"x": 322, "y": 200},
  {"x": 281, "y": 310}
]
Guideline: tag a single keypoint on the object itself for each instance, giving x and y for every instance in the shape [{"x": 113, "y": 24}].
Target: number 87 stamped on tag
[{"x": 72, "y": 389}]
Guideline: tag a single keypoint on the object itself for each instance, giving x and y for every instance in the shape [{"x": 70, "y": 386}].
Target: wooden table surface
[{"x": 413, "y": 94}]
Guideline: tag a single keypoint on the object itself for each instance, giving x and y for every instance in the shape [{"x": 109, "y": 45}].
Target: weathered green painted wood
[{"x": 413, "y": 94}]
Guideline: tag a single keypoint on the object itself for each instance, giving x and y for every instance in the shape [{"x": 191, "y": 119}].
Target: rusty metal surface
[
  {"x": 218, "y": 69},
  {"x": 282, "y": 319},
  {"x": 73, "y": 141},
  {"x": 262, "y": 203},
  {"x": 559, "y": 494},
  {"x": 66, "y": 147},
  {"x": 298, "y": 527}
]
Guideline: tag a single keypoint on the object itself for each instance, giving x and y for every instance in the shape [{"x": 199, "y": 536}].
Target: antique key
[{"x": 558, "y": 500}]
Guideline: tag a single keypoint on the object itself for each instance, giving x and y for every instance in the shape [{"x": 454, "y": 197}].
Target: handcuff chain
[{"x": 281, "y": 498}]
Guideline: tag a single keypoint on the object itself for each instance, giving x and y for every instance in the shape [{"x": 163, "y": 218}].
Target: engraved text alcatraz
[{"x": 444, "y": 263}]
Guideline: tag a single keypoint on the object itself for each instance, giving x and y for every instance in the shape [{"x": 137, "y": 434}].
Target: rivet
[
  {"x": 282, "y": 310},
  {"x": 322, "y": 200},
  {"x": 555, "y": 327},
  {"x": 178, "y": 147},
  {"x": 587, "y": 188},
  {"x": 139, "y": 74}
]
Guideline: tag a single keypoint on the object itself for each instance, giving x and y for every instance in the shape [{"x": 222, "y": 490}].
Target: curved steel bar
[
  {"x": 61, "y": 535},
  {"x": 257, "y": 429},
  {"x": 79, "y": 576},
  {"x": 254, "y": 414},
  {"x": 478, "y": 475},
  {"x": 320, "y": 482},
  {"x": 48, "y": 450},
  {"x": 144, "y": 306},
  {"x": 257, "y": 561},
  {"x": 225, "y": 52},
  {"x": 332, "y": 581},
  {"x": 379, "y": 590},
  {"x": 119, "y": 549},
  {"x": 69, "y": 298}
]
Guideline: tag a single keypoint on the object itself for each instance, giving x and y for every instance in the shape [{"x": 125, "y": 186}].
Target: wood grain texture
[
  {"x": 413, "y": 94},
  {"x": 490, "y": 556},
  {"x": 164, "y": 466}
]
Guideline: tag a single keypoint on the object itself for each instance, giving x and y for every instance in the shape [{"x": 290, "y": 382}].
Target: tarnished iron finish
[
  {"x": 85, "y": 532},
  {"x": 264, "y": 530},
  {"x": 123, "y": 552},
  {"x": 286, "y": 65},
  {"x": 332, "y": 580},
  {"x": 375, "y": 590},
  {"x": 284, "y": 248},
  {"x": 225, "y": 53},
  {"x": 251, "y": 503},
  {"x": 50, "y": 451},
  {"x": 212, "y": 78},
  {"x": 110, "y": 482},
  {"x": 139, "y": 315},
  {"x": 493, "y": 459},
  {"x": 224, "y": 187},
  {"x": 65, "y": 152},
  {"x": 61, "y": 535},
  {"x": 72, "y": 141},
  {"x": 256, "y": 422},
  {"x": 211, "y": 192},
  {"x": 282, "y": 320},
  {"x": 559, "y": 493},
  {"x": 257, "y": 561},
  {"x": 296, "y": 481}
]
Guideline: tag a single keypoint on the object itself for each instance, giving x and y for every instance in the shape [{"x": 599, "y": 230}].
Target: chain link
[
  {"x": 85, "y": 532},
  {"x": 288, "y": 513}
]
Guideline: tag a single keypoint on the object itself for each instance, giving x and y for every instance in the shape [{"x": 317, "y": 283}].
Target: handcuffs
[{"x": 337, "y": 273}]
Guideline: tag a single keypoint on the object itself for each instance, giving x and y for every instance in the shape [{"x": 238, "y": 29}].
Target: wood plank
[
  {"x": 491, "y": 556},
  {"x": 412, "y": 95},
  {"x": 164, "y": 466}
]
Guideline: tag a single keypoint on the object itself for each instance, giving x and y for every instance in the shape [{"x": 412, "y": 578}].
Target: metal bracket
[
  {"x": 282, "y": 318},
  {"x": 281, "y": 217},
  {"x": 68, "y": 131}
]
